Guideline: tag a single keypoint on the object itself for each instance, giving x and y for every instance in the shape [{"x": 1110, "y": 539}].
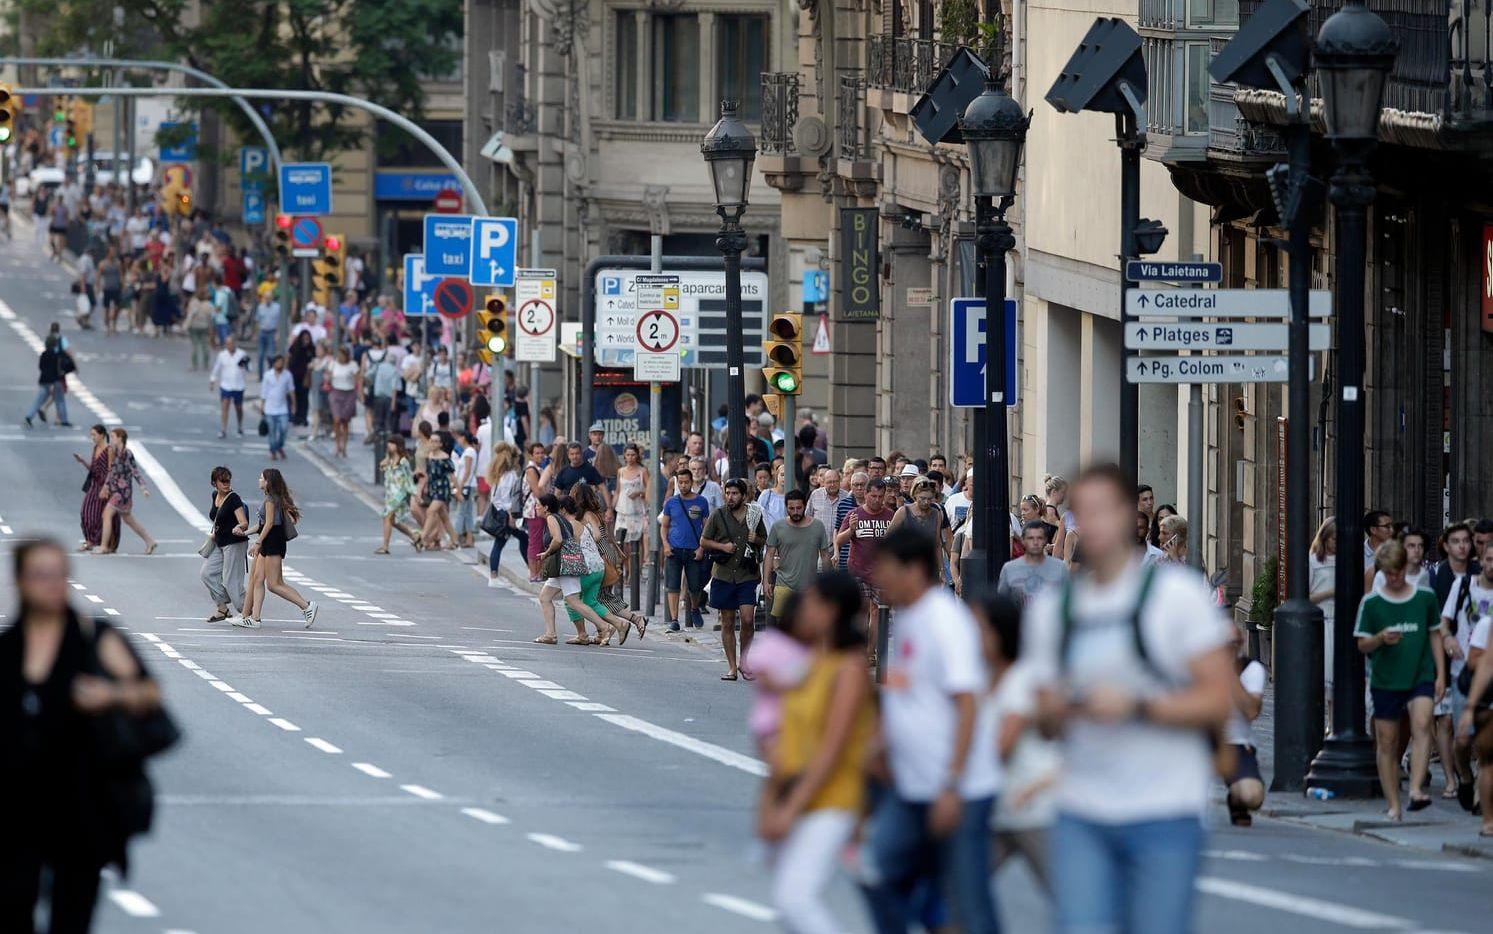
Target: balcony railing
[
  {"x": 902, "y": 63},
  {"x": 520, "y": 117},
  {"x": 855, "y": 136},
  {"x": 779, "y": 111},
  {"x": 1228, "y": 132}
]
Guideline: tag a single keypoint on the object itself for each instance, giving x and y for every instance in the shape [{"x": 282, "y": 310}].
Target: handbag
[
  {"x": 494, "y": 521},
  {"x": 207, "y": 547},
  {"x": 264, "y": 426}
]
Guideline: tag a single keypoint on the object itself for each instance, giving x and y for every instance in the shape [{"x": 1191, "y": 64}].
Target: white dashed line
[
  {"x": 487, "y": 817},
  {"x": 697, "y": 746},
  {"x": 204, "y": 674},
  {"x": 6, "y": 529},
  {"x": 133, "y": 903},
  {"x": 285, "y": 724},
  {"x": 740, "y": 906},
  {"x": 639, "y": 871},
  {"x": 371, "y": 770},
  {"x": 188, "y": 664},
  {"x": 223, "y": 686},
  {"x": 420, "y": 791},
  {"x": 517, "y": 673},
  {"x": 550, "y": 841},
  {"x": 150, "y": 637},
  {"x": 257, "y": 708},
  {"x": 317, "y": 742},
  {"x": 591, "y": 707},
  {"x": 1344, "y": 915},
  {"x": 93, "y": 598},
  {"x": 110, "y": 611},
  {"x": 241, "y": 698},
  {"x": 77, "y": 586},
  {"x": 560, "y": 694},
  {"x": 542, "y": 685}
]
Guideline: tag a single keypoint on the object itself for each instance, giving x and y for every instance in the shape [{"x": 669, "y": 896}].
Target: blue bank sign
[{"x": 411, "y": 186}]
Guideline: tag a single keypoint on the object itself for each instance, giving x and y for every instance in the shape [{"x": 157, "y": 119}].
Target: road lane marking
[
  {"x": 591, "y": 707},
  {"x": 639, "y": 871},
  {"x": 110, "y": 611},
  {"x": 420, "y": 791},
  {"x": 561, "y": 694},
  {"x": 697, "y": 746},
  {"x": 205, "y": 675},
  {"x": 188, "y": 664},
  {"x": 486, "y": 816},
  {"x": 93, "y": 599},
  {"x": 543, "y": 685},
  {"x": 223, "y": 686},
  {"x": 76, "y": 586},
  {"x": 242, "y": 699},
  {"x": 552, "y": 842},
  {"x": 150, "y": 637},
  {"x": 740, "y": 906},
  {"x": 134, "y": 904},
  {"x": 371, "y": 770},
  {"x": 1315, "y": 908},
  {"x": 518, "y": 673},
  {"x": 285, "y": 724},
  {"x": 317, "y": 742},
  {"x": 257, "y": 708}
]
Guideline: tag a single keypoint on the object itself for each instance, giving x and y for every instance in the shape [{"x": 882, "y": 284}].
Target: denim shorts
[
  {"x": 683, "y": 564},
  {"x": 725, "y": 595},
  {"x": 235, "y": 395}
]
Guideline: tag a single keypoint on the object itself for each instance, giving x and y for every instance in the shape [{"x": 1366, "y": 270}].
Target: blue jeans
[
  {"x": 266, "y": 351},
  {"x": 515, "y": 531},
  {"x": 59, "y": 398},
  {"x": 1137, "y": 878},
  {"x": 279, "y": 426},
  {"x": 900, "y": 853}
]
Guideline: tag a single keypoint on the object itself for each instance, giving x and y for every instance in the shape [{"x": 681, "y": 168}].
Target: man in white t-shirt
[
  {"x": 1476, "y": 718},
  {"x": 1468, "y": 604},
  {"x": 1129, "y": 834},
  {"x": 943, "y": 782},
  {"x": 1246, "y": 787},
  {"x": 229, "y": 377},
  {"x": 277, "y": 403}
]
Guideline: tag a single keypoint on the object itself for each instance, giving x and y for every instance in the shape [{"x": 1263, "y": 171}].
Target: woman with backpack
[{"x": 275, "y": 525}]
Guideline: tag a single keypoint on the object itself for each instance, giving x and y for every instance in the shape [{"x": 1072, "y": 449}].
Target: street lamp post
[
  {"x": 994, "y": 129},
  {"x": 729, "y": 151},
  {"x": 1355, "y": 51}
]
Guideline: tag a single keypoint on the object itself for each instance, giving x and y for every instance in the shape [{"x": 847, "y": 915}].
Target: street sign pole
[
  {"x": 654, "y": 467},
  {"x": 1131, "y": 143}
]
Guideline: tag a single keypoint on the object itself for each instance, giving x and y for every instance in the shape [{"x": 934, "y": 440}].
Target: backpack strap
[
  {"x": 1066, "y": 622},
  {"x": 1463, "y": 592}
]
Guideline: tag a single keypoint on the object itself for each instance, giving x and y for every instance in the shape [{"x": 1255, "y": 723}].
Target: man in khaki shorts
[{"x": 797, "y": 548}]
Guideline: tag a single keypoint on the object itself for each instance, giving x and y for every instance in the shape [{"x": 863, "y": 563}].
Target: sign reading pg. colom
[{"x": 860, "y": 278}]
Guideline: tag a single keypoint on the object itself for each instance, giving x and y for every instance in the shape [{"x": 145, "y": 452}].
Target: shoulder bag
[
  {"x": 494, "y": 521},
  {"x": 551, "y": 566}
]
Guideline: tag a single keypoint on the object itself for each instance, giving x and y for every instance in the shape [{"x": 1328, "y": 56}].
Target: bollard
[
  {"x": 379, "y": 443},
  {"x": 634, "y": 575},
  {"x": 883, "y": 641}
]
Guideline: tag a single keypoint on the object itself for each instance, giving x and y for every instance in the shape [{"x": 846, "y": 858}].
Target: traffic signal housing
[
  {"x": 80, "y": 113},
  {"x": 492, "y": 328},
  {"x": 10, "y": 107},
  {"x": 327, "y": 269},
  {"x": 783, "y": 352},
  {"x": 283, "y": 223}
]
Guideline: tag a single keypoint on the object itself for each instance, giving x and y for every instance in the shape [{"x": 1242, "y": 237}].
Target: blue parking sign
[
  {"x": 494, "y": 250},
  {"x": 448, "y": 244},
  {"x": 306, "y": 188},
  {"x": 253, "y": 207},
  {"x": 967, "y": 353},
  {"x": 253, "y": 167},
  {"x": 419, "y": 286}
]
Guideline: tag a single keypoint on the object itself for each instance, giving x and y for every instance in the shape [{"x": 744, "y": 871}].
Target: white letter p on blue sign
[{"x": 494, "y": 251}]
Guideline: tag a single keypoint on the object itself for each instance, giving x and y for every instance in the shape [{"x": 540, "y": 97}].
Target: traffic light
[
  {"x": 492, "y": 328},
  {"x": 182, "y": 203},
  {"x": 283, "y": 224},
  {"x": 80, "y": 112},
  {"x": 327, "y": 269},
  {"x": 10, "y": 105},
  {"x": 783, "y": 352}
]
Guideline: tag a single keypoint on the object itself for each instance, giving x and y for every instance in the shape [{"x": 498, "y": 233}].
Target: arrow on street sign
[
  {"x": 1222, "y": 303},
  {"x": 1179, "y": 370},
  {"x": 1194, "y": 335}
]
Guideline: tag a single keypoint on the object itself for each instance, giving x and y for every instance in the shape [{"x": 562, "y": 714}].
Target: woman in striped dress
[
  {"x": 118, "y": 494},
  {"x": 93, "y": 505}
]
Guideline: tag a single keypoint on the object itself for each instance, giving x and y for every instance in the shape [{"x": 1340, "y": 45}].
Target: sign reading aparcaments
[{"x": 860, "y": 278}]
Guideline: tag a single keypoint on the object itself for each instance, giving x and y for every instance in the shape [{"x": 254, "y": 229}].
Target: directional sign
[
  {"x": 1145, "y": 270},
  {"x": 253, "y": 206},
  {"x": 702, "y": 316},
  {"x": 657, "y": 353},
  {"x": 1221, "y": 303},
  {"x": 419, "y": 287},
  {"x": 306, "y": 188},
  {"x": 494, "y": 251},
  {"x": 453, "y": 297},
  {"x": 305, "y": 236},
  {"x": 253, "y": 167},
  {"x": 448, "y": 244},
  {"x": 1192, "y": 335},
  {"x": 1178, "y": 370},
  {"x": 967, "y": 353}
]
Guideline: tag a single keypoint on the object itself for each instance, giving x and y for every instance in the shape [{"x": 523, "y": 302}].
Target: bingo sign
[
  {"x": 657, "y": 356},
  {"x": 453, "y": 298}
]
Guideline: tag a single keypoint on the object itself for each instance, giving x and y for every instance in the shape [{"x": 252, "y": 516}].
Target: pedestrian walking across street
[
  {"x": 118, "y": 494},
  {"x": 92, "y": 511},
  {"x": 53, "y": 366},
  {"x": 399, "y": 491},
  {"x": 229, "y": 377},
  {"x": 277, "y": 405},
  {"x": 276, "y": 526},
  {"x": 227, "y": 551}
]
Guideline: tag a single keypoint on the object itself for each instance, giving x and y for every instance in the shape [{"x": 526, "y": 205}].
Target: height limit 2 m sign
[{"x": 860, "y": 278}]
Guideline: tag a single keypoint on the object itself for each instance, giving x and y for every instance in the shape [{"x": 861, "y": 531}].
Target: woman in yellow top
[{"x": 813, "y": 798}]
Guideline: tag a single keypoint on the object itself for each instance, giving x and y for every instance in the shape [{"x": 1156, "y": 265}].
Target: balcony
[
  {"x": 905, "y": 64},
  {"x": 1231, "y": 138},
  {"x": 779, "y": 111}
]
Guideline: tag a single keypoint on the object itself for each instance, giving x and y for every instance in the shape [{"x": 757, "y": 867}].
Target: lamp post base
[
  {"x": 972, "y": 570},
  {"x": 1346, "y": 767}
]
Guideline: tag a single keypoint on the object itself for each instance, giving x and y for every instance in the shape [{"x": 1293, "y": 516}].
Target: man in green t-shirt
[
  {"x": 1395, "y": 627},
  {"x": 797, "y": 547},
  {"x": 734, "y": 535}
]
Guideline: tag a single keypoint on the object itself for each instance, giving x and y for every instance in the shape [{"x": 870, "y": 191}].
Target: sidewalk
[{"x": 1443, "y": 827}]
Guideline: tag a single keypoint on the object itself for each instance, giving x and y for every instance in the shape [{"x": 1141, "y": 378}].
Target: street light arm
[{"x": 323, "y": 97}]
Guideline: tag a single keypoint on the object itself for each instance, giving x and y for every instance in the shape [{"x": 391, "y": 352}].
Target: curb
[{"x": 1370, "y": 829}]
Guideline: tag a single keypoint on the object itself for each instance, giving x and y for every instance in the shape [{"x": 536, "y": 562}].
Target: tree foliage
[{"x": 381, "y": 50}]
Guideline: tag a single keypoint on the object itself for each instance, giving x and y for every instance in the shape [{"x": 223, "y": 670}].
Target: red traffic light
[
  {"x": 283, "y": 221},
  {"x": 332, "y": 243}
]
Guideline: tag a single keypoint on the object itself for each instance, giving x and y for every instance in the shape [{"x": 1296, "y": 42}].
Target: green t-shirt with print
[{"x": 1403, "y": 665}]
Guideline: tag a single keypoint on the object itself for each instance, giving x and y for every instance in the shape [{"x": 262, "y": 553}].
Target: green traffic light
[
  {"x": 785, "y": 382},
  {"x": 497, "y": 343},
  {"x": 72, "y": 142},
  {"x": 4, "y": 134}
]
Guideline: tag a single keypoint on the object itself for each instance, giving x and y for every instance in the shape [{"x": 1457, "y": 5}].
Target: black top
[
  {"x": 52, "y": 365},
  {"x": 224, "y": 520},
  {"x": 569, "y": 476}
]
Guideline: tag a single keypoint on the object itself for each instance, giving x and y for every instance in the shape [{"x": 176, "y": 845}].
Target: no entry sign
[
  {"x": 448, "y": 201},
  {"x": 453, "y": 297}
]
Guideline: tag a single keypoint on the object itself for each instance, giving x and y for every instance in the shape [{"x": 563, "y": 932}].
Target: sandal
[
  {"x": 642, "y": 627},
  {"x": 730, "y": 677},
  {"x": 546, "y": 640},
  {"x": 578, "y": 640},
  {"x": 151, "y": 549},
  {"x": 380, "y": 551},
  {"x": 1450, "y": 792},
  {"x": 622, "y": 633},
  {"x": 1420, "y": 804}
]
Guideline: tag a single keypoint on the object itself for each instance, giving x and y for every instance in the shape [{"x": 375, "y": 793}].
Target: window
[
  {"x": 741, "y": 57},
  {"x": 395, "y": 147},
  {"x": 676, "y": 68},
  {"x": 1195, "y": 118},
  {"x": 626, "y": 78},
  {"x": 1212, "y": 13}
]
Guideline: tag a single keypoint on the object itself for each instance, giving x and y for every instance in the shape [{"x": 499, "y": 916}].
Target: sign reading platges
[
  {"x": 860, "y": 277},
  {"x": 535, "y": 315},
  {"x": 701, "y": 314}
]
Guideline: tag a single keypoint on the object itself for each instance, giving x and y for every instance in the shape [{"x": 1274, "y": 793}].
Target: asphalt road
[{"x": 415, "y": 763}]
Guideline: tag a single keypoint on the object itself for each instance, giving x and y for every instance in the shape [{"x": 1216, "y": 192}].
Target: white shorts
[{"x": 568, "y": 586}]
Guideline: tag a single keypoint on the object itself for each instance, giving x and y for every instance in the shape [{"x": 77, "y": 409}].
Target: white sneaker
[
  {"x": 245, "y": 622},
  {"x": 495, "y": 582},
  {"x": 310, "y": 612}
]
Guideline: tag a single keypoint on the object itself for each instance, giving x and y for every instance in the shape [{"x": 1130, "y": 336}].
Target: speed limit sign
[{"x": 657, "y": 356}]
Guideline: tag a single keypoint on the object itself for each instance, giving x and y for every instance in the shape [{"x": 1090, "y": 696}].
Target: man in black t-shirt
[{"x": 577, "y": 470}]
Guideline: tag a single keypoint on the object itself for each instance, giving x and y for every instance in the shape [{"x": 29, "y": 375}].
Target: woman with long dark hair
[
  {"x": 298, "y": 360},
  {"x": 593, "y": 534},
  {"x": 92, "y": 513},
  {"x": 559, "y": 534},
  {"x": 57, "y": 672},
  {"x": 814, "y": 793},
  {"x": 275, "y": 525},
  {"x": 399, "y": 491},
  {"x": 504, "y": 480},
  {"x": 118, "y": 494},
  {"x": 223, "y": 566}
]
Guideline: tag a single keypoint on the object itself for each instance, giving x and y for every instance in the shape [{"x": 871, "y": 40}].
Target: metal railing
[
  {"x": 1158, "y": 14},
  {"x": 779, "y": 111},
  {"x": 854, "y": 134},
  {"x": 902, "y": 63},
  {"x": 520, "y": 117}
]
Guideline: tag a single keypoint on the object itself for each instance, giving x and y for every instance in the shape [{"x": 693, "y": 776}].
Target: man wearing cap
[
  {"x": 907, "y": 478},
  {"x": 597, "y": 436}
]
